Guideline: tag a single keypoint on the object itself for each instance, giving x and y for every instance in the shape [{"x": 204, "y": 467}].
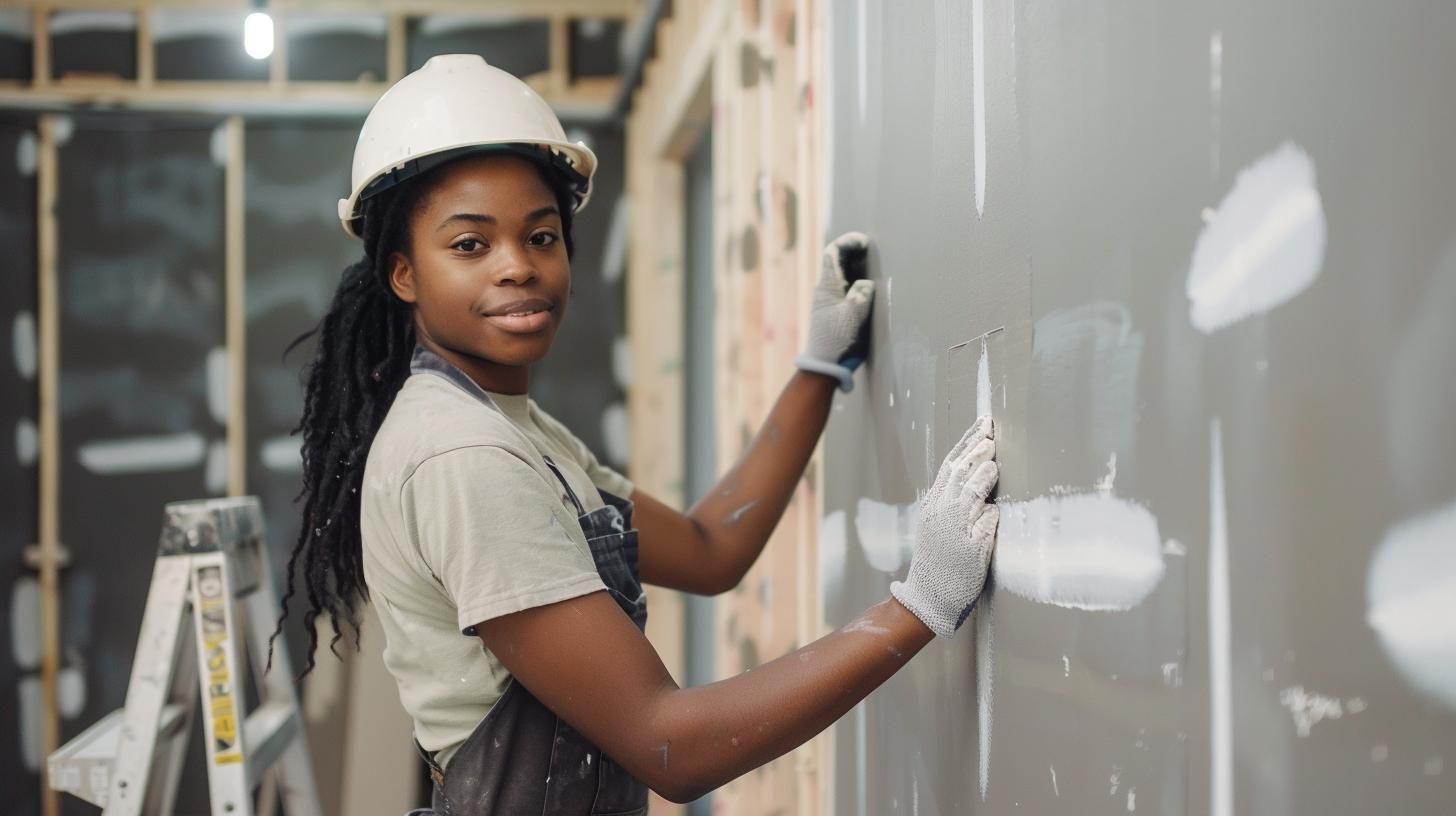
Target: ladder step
[
  {"x": 266, "y": 734},
  {"x": 83, "y": 765}
]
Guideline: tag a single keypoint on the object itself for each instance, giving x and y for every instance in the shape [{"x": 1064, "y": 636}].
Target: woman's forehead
[{"x": 506, "y": 183}]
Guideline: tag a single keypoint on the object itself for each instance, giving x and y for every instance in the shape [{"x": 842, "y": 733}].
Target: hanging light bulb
[{"x": 258, "y": 35}]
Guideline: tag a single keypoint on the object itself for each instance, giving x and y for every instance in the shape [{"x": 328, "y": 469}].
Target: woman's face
[{"x": 486, "y": 269}]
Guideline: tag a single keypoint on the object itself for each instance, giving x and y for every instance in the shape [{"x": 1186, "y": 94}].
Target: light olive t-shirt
[{"x": 462, "y": 522}]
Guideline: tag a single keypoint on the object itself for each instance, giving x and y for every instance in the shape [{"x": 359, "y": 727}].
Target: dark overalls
[{"x": 522, "y": 758}]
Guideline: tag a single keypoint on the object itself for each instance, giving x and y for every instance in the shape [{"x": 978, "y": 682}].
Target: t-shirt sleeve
[
  {"x": 602, "y": 476},
  {"x": 496, "y": 534}
]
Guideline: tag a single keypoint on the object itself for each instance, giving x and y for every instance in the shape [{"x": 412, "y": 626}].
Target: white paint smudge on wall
[
  {"x": 1221, "y": 770},
  {"x": 282, "y": 454},
  {"x": 1090, "y": 354},
  {"x": 143, "y": 454},
  {"x": 27, "y": 441},
  {"x": 216, "y": 473},
  {"x": 25, "y": 623},
  {"x": 978, "y": 100},
  {"x": 1411, "y": 600},
  {"x": 983, "y": 383},
  {"x": 985, "y": 676},
  {"x": 27, "y": 154},
  {"x": 886, "y": 532},
  {"x": 22, "y": 344},
  {"x": 833, "y": 553},
  {"x": 217, "y": 384},
  {"x": 1091, "y": 551},
  {"x": 616, "y": 434},
  {"x": 1265, "y": 244},
  {"x": 862, "y": 58},
  {"x": 1308, "y": 708}
]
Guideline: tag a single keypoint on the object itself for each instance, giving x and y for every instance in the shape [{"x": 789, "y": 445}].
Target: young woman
[{"x": 504, "y": 562}]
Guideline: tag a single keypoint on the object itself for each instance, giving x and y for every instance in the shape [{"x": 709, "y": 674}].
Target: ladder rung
[
  {"x": 268, "y": 731},
  {"x": 83, "y": 765}
]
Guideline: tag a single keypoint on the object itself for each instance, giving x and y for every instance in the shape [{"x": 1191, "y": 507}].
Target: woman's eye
[
  {"x": 468, "y": 245},
  {"x": 543, "y": 239}
]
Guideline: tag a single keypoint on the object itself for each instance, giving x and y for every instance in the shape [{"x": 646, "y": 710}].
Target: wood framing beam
[
  {"x": 40, "y": 52},
  {"x": 235, "y": 307},
  {"x": 417, "y": 8},
  {"x": 395, "y": 48},
  {"x": 146, "y": 54},
  {"x": 560, "y": 56},
  {"x": 49, "y": 555}
]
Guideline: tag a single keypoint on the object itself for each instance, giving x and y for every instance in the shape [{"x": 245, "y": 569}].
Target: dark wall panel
[
  {"x": 143, "y": 397},
  {"x": 19, "y": 441}
]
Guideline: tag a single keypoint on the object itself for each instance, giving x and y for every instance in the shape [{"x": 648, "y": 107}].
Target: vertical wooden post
[
  {"x": 278, "y": 63},
  {"x": 49, "y": 552},
  {"x": 560, "y": 57},
  {"x": 146, "y": 56},
  {"x": 40, "y": 54},
  {"x": 395, "y": 48},
  {"x": 235, "y": 307}
]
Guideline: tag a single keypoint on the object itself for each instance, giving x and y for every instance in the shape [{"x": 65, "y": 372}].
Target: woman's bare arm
[
  {"x": 586, "y": 661},
  {"x": 709, "y": 549}
]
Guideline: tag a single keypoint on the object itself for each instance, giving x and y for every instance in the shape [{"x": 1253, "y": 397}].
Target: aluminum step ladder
[{"x": 211, "y": 554}]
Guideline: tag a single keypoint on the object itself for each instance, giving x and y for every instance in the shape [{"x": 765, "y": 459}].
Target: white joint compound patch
[
  {"x": 27, "y": 441},
  {"x": 23, "y": 344},
  {"x": 886, "y": 532},
  {"x": 1308, "y": 708},
  {"x": 1091, "y": 551},
  {"x": 217, "y": 384},
  {"x": 282, "y": 454},
  {"x": 1264, "y": 245},
  {"x": 143, "y": 454},
  {"x": 1411, "y": 601}
]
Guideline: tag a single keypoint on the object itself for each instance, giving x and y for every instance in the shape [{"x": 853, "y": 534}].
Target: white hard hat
[{"x": 454, "y": 104}]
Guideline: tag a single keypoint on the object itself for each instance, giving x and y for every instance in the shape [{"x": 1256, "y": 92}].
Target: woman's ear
[{"x": 402, "y": 277}]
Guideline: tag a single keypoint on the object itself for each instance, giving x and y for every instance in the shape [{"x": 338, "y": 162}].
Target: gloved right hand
[{"x": 956, "y": 536}]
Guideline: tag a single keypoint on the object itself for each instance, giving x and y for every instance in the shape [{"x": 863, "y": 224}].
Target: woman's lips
[{"x": 521, "y": 317}]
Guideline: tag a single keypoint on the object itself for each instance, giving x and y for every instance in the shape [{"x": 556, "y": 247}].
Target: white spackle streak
[
  {"x": 216, "y": 473},
  {"x": 1411, "y": 601},
  {"x": 143, "y": 454},
  {"x": 217, "y": 384},
  {"x": 1265, "y": 244},
  {"x": 1215, "y": 95},
  {"x": 983, "y": 383},
  {"x": 833, "y": 553},
  {"x": 1091, "y": 551},
  {"x": 27, "y": 153},
  {"x": 978, "y": 100},
  {"x": 1090, "y": 354},
  {"x": 23, "y": 344},
  {"x": 1174, "y": 547},
  {"x": 27, "y": 441},
  {"x": 282, "y": 454},
  {"x": 25, "y": 623},
  {"x": 1066, "y": 666},
  {"x": 862, "y": 58},
  {"x": 985, "y": 675},
  {"x": 1221, "y": 736},
  {"x": 1106, "y": 483},
  {"x": 622, "y": 362},
  {"x": 1308, "y": 708},
  {"x": 1131, "y": 799},
  {"x": 1172, "y": 675},
  {"x": 616, "y": 433},
  {"x": 1055, "y": 790},
  {"x": 886, "y": 532}
]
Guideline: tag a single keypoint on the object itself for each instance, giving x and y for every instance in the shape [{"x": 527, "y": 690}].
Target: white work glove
[
  {"x": 840, "y": 310},
  {"x": 956, "y": 536}
]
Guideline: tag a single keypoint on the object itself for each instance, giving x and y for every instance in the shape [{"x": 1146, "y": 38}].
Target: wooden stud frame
[{"x": 584, "y": 99}]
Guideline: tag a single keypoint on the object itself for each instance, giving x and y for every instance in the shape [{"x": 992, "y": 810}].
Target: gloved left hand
[{"x": 840, "y": 310}]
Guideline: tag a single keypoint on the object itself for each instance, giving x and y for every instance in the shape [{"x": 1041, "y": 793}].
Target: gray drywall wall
[
  {"x": 19, "y": 448},
  {"x": 1218, "y": 246}
]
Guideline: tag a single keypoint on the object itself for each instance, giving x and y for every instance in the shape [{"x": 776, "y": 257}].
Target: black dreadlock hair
[{"x": 365, "y": 341}]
